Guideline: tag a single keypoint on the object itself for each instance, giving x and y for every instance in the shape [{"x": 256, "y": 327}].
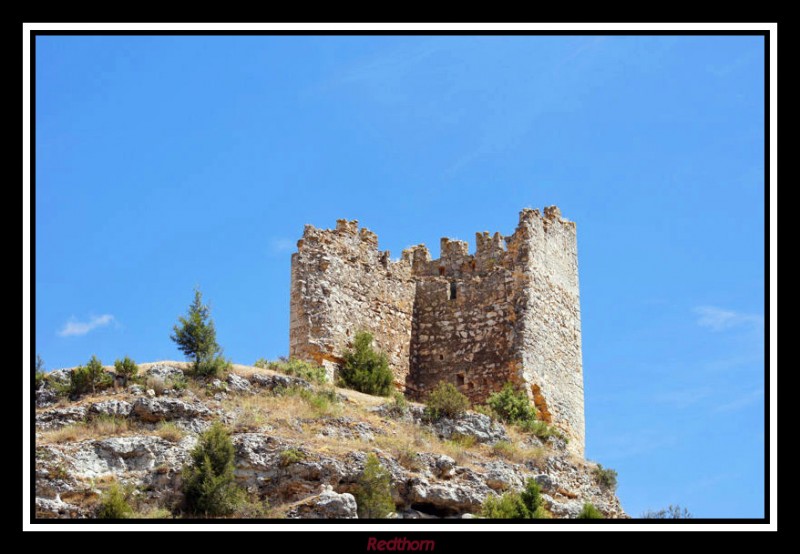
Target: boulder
[
  {"x": 165, "y": 372},
  {"x": 59, "y": 417},
  {"x": 238, "y": 384},
  {"x": 111, "y": 408},
  {"x": 165, "y": 409},
  {"x": 327, "y": 505},
  {"x": 273, "y": 381}
]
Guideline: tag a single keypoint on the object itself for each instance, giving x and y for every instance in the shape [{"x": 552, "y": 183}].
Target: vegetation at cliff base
[
  {"x": 527, "y": 504},
  {"x": 590, "y": 512},
  {"x": 366, "y": 369},
  {"x": 114, "y": 504}
]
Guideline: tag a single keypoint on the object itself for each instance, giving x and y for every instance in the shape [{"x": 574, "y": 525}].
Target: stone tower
[{"x": 510, "y": 312}]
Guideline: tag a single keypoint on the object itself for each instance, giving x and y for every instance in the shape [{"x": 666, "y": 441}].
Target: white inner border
[{"x": 401, "y": 529}]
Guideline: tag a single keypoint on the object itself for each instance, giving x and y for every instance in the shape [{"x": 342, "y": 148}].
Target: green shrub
[
  {"x": 373, "y": 494},
  {"x": 532, "y": 498},
  {"x": 127, "y": 368},
  {"x": 507, "y": 506},
  {"x": 590, "y": 512},
  {"x": 527, "y": 504},
  {"x": 114, "y": 504},
  {"x": 511, "y": 405},
  {"x": 398, "y": 407},
  {"x": 540, "y": 429},
  {"x": 445, "y": 401},
  {"x": 291, "y": 456},
  {"x": 216, "y": 366},
  {"x": 606, "y": 477},
  {"x": 298, "y": 368},
  {"x": 196, "y": 337},
  {"x": 87, "y": 378},
  {"x": 670, "y": 512},
  {"x": 95, "y": 374},
  {"x": 178, "y": 382},
  {"x": 209, "y": 486},
  {"x": 365, "y": 369}
]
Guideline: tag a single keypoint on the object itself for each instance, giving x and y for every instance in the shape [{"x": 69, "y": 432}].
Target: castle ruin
[{"x": 508, "y": 313}]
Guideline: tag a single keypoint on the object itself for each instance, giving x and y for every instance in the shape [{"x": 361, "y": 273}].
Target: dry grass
[
  {"x": 156, "y": 383},
  {"x": 167, "y": 430},
  {"x": 402, "y": 448},
  {"x": 516, "y": 452},
  {"x": 97, "y": 428},
  {"x": 153, "y": 512},
  {"x": 284, "y": 410},
  {"x": 459, "y": 448}
]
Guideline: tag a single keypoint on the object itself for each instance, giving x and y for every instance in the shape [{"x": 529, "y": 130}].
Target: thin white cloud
[
  {"x": 282, "y": 244},
  {"x": 75, "y": 328},
  {"x": 683, "y": 398},
  {"x": 740, "y": 403},
  {"x": 718, "y": 319}
]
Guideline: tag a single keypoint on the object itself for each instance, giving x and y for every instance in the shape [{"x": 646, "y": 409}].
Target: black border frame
[{"x": 444, "y": 537}]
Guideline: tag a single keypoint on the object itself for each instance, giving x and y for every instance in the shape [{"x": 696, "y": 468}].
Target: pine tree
[
  {"x": 209, "y": 484},
  {"x": 196, "y": 335},
  {"x": 373, "y": 495},
  {"x": 95, "y": 374},
  {"x": 126, "y": 368}
]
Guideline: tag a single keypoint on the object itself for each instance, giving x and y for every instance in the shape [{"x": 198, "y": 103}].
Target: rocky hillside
[{"x": 299, "y": 449}]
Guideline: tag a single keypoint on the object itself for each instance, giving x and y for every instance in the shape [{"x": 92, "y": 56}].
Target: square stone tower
[{"x": 510, "y": 312}]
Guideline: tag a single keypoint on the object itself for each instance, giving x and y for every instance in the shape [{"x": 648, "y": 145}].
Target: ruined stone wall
[
  {"x": 465, "y": 319},
  {"x": 467, "y": 340},
  {"x": 508, "y": 313},
  {"x": 341, "y": 284}
]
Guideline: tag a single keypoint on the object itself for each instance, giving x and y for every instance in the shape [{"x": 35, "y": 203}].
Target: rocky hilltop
[{"x": 297, "y": 454}]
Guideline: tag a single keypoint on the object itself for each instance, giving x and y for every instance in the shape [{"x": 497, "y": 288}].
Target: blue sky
[{"x": 168, "y": 162}]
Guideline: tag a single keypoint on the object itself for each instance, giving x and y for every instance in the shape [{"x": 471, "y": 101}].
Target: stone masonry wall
[
  {"x": 550, "y": 338},
  {"x": 508, "y": 313},
  {"x": 341, "y": 284},
  {"x": 464, "y": 338}
]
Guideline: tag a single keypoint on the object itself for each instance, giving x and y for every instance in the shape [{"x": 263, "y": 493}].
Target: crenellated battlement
[{"x": 509, "y": 312}]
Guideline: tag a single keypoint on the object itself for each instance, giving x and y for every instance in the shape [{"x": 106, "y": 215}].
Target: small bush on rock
[
  {"x": 291, "y": 456},
  {"x": 365, "y": 369},
  {"x": 606, "y": 477},
  {"x": 590, "y": 512},
  {"x": 445, "y": 401},
  {"x": 507, "y": 506},
  {"x": 511, "y": 405},
  {"x": 114, "y": 504},
  {"x": 527, "y": 504}
]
